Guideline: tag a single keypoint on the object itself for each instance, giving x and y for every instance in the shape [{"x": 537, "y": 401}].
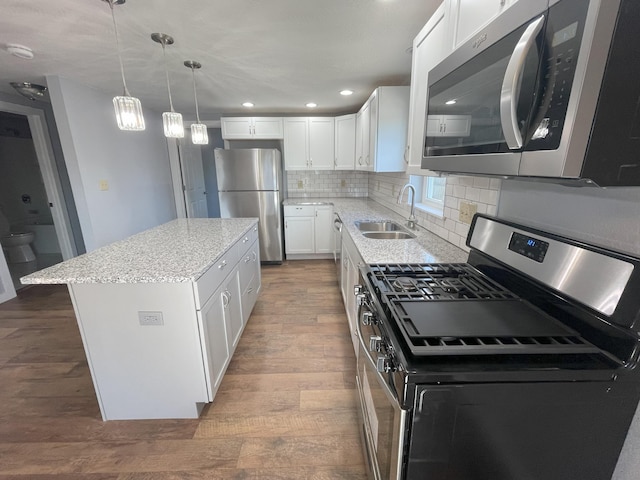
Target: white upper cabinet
[
  {"x": 251, "y": 128},
  {"x": 309, "y": 143},
  {"x": 430, "y": 46},
  {"x": 363, "y": 160},
  {"x": 345, "y": 142},
  {"x": 470, "y": 15},
  {"x": 388, "y": 123}
]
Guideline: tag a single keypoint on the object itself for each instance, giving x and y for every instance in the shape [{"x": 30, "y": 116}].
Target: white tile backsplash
[
  {"x": 482, "y": 191},
  {"x": 330, "y": 183}
]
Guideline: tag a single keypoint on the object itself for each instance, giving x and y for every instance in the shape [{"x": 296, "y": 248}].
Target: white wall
[{"x": 135, "y": 165}]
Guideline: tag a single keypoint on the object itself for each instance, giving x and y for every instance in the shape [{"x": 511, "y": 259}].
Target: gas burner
[{"x": 405, "y": 284}]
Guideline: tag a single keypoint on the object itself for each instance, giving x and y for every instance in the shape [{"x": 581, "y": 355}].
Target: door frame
[{"x": 53, "y": 188}]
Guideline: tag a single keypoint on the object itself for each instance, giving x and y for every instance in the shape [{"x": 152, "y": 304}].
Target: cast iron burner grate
[{"x": 454, "y": 309}]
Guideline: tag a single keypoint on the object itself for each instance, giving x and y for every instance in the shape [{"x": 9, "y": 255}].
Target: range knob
[
  {"x": 375, "y": 343},
  {"x": 360, "y": 299},
  {"x": 357, "y": 290},
  {"x": 368, "y": 318},
  {"x": 383, "y": 364}
]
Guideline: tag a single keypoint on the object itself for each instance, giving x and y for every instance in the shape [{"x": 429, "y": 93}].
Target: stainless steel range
[{"x": 520, "y": 364}]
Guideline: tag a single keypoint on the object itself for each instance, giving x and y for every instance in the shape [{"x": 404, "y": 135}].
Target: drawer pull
[
  {"x": 245, "y": 239},
  {"x": 247, "y": 259},
  {"x": 222, "y": 265},
  {"x": 250, "y": 290}
]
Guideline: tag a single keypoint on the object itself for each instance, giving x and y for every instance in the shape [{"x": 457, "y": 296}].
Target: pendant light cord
[
  {"x": 115, "y": 28},
  {"x": 195, "y": 94},
  {"x": 166, "y": 71}
]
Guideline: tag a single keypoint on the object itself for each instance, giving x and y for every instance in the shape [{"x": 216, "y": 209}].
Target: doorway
[{"x": 24, "y": 204}]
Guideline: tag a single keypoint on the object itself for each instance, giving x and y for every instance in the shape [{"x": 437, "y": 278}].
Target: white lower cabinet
[
  {"x": 351, "y": 262},
  {"x": 308, "y": 231},
  {"x": 299, "y": 233},
  {"x": 216, "y": 332}
]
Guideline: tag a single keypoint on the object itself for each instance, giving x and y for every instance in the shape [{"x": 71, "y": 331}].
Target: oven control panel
[{"x": 530, "y": 247}]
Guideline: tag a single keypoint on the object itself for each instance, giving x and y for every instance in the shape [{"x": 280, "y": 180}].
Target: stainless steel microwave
[{"x": 548, "y": 90}]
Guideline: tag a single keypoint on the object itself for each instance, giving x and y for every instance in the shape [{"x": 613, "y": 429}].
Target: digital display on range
[{"x": 529, "y": 247}]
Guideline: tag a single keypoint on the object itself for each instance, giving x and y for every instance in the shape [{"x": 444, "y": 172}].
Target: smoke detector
[{"x": 20, "y": 51}]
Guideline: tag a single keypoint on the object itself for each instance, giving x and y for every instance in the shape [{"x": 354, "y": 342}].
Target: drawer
[
  {"x": 211, "y": 280},
  {"x": 244, "y": 244},
  {"x": 299, "y": 211},
  {"x": 249, "y": 264},
  {"x": 249, "y": 297}
]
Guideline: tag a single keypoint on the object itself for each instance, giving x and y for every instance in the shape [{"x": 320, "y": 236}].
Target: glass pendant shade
[
  {"x": 199, "y": 134},
  {"x": 172, "y": 123},
  {"x": 128, "y": 113}
]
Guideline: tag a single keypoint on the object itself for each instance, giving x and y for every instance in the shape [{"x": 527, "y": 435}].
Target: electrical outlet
[
  {"x": 300, "y": 184},
  {"x": 343, "y": 183},
  {"x": 104, "y": 185},
  {"x": 467, "y": 211},
  {"x": 150, "y": 318}
]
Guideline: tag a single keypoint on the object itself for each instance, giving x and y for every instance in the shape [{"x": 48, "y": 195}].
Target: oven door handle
[
  {"x": 364, "y": 349},
  {"x": 512, "y": 82}
]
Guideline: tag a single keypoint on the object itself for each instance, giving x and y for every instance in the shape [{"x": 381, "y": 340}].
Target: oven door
[{"x": 383, "y": 422}]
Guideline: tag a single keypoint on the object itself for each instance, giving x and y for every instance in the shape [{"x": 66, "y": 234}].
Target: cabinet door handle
[
  {"x": 250, "y": 290},
  {"x": 406, "y": 151},
  {"x": 225, "y": 299},
  {"x": 360, "y": 160},
  {"x": 255, "y": 256},
  {"x": 335, "y": 162},
  {"x": 222, "y": 265}
]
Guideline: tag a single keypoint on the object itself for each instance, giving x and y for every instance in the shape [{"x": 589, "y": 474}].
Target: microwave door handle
[{"x": 512, "y": 82}]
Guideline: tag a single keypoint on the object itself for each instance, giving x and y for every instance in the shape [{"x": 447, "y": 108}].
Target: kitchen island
[{"x": 160, "y": 313}]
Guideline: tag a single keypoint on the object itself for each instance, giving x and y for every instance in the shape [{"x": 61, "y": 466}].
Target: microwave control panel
[{"x": 559, "y": 57}]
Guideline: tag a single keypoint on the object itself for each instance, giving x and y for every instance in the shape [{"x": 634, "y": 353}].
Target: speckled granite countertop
[
  {"x": 425, "y": 248},
  {"x": 178, "y": 251}
]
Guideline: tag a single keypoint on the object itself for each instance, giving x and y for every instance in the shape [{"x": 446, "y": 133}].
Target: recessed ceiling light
[
  {"x": 20, "y": 51},
  {"x": 450, "y": 102},
  {"x": 247, "y": 104},
  {"x": 346, "y": 92},
  {"x": 312, "y": 105}
]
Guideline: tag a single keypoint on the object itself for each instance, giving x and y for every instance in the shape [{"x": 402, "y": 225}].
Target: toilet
[{"x": 17, "y": 245}]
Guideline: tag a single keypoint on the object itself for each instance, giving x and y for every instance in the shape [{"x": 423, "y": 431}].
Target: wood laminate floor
[{"x": 286, "y": 408}]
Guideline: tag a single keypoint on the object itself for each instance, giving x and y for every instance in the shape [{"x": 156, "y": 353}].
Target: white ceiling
[{"x": 279, "y": 54}]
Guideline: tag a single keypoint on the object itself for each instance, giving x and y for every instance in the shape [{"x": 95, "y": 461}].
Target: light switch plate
[
  {"x": 104, "y": 185},
  {"x": 150, "y": 318},
  {"x": 467, "y": 211},
  {"x": 300, "y": 184}
]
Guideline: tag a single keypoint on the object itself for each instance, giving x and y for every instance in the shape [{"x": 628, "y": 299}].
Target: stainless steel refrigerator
[{"x": 250, "y": 185}]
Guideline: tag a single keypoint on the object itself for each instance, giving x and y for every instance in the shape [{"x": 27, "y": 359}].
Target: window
[{"x": 430, "y": 193}]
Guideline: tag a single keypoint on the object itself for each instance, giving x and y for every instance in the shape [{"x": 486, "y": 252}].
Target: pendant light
[
  {"x": 128, "y": 109},
  {"x": 199, "y": 134},
  {"x": 171, "y": 121}
]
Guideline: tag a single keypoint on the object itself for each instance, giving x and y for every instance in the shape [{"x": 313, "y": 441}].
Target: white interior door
[
  {"x": 193, "y": 178},
  {"x": 7, "y": 291}
]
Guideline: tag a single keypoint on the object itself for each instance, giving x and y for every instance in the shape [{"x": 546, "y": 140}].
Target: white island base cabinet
[{"x": 159, "y": 350}]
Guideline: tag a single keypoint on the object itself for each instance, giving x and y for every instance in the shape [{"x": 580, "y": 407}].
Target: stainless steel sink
[
  {"x": 381, "y": 226},
  {"x": 397, "y": 235}
]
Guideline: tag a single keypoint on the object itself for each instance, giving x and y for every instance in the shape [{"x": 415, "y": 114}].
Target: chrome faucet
[{"x": 411, "y": 221}]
